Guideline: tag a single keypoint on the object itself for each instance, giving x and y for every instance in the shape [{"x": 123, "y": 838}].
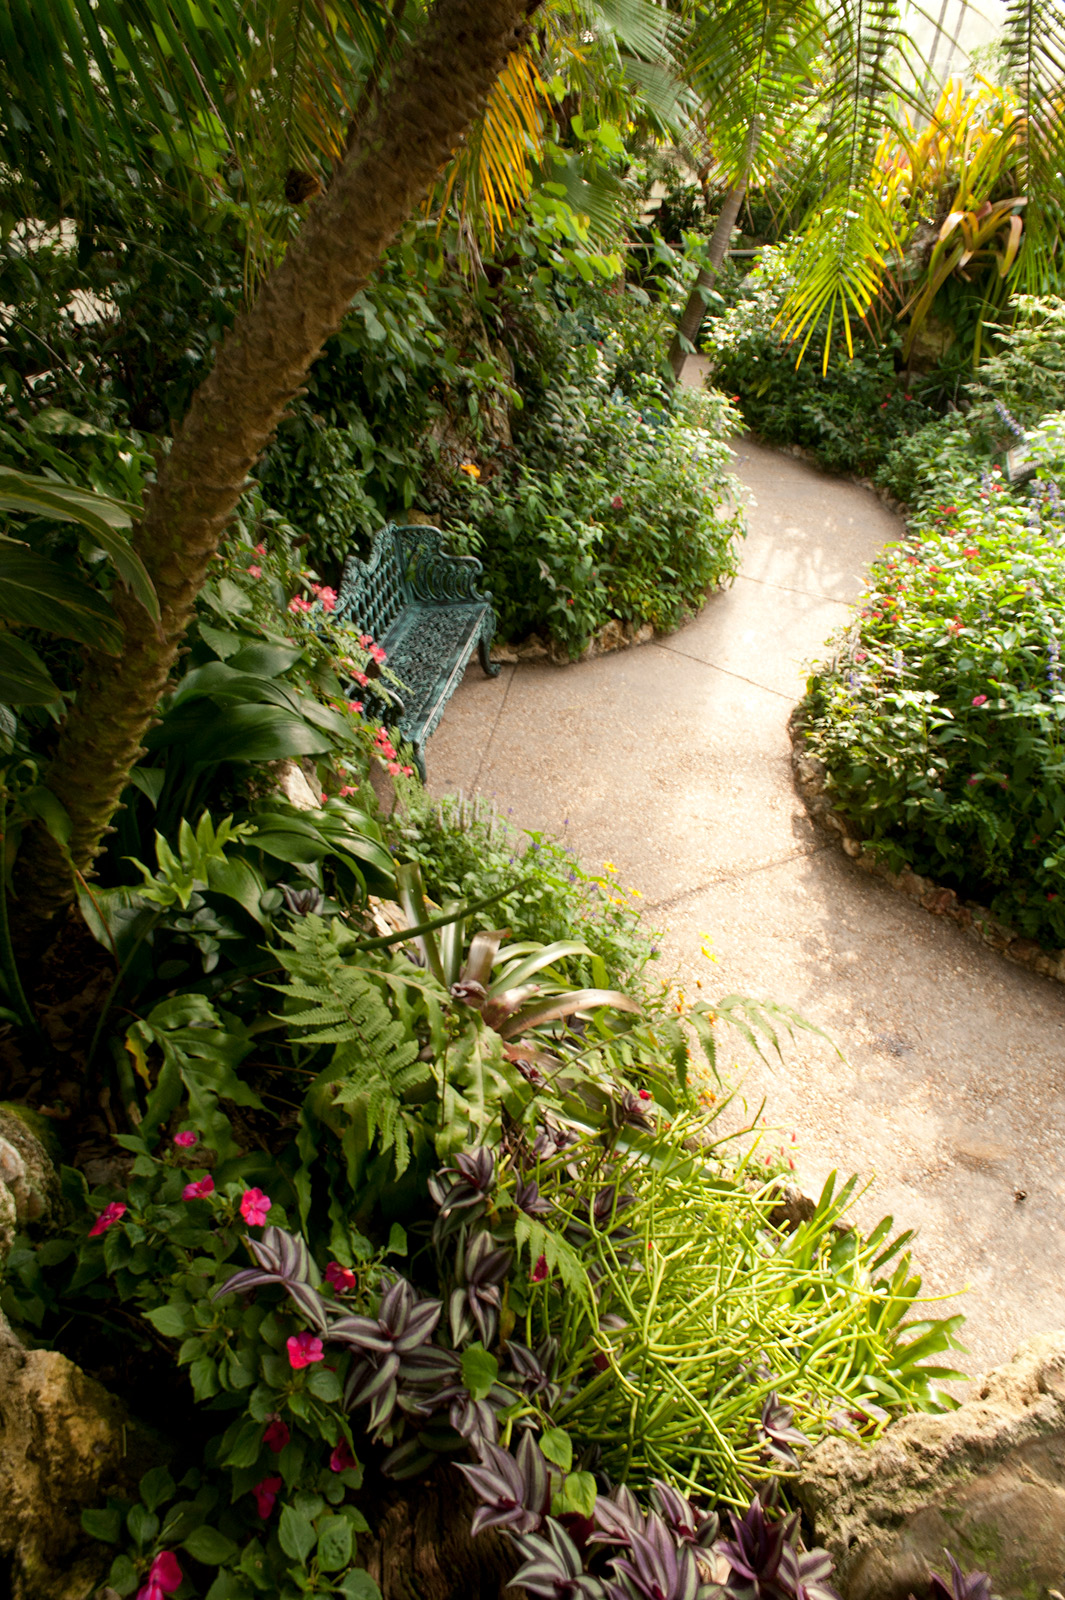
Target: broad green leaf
[
  {"x": 480, "y": 1369},
  {"x": 106, "y": 1525},
  {"x": 209, "y": 1546},
  {"x": 24, "y": 678},
  {"x": 334, "y": 1543},
  {"x": 156, "y": 1487},
  {"x": 209, "y": 735},
  {"x": 557, "y": 1446},
  {"x": 359, "y": 1585},
  {"x": 265, "y": 660},
  {"x": 104, "y": 518},
  {"x": 296, "y": 1533},
  {"x": 577, "y": 1494},
  {"x": 37, "y": 593}
]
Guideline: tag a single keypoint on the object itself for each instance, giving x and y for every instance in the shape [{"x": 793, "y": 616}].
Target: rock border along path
[{"x": 672, "y": 760}]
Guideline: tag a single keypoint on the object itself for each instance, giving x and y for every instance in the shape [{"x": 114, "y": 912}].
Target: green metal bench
[{"x": 424, "y": 608}]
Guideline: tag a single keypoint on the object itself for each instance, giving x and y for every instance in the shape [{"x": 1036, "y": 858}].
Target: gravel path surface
[{"x": 672, "y": 760}]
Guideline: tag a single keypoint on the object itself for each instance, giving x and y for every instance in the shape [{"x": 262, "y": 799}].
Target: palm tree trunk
[
  {"x": 435, "y": 94},
  {"x": 691, "y": 318}
]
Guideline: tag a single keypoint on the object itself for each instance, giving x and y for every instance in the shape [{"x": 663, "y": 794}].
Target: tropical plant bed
[{"x": 810, "y": 775}]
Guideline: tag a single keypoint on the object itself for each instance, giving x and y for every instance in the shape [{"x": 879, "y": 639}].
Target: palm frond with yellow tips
[{"x": 491, "y": 177}]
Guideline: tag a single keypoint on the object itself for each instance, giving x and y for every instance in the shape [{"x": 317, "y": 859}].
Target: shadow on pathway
[{"x": 672, "y": 760}]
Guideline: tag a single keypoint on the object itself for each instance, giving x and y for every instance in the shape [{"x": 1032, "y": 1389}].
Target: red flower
[
  {"x": 304, "y": 1349},
  {"x": 266, "y": 1496},
  {"x": 970, "y": 550},
  {"x": 108, "y": 1217},
  {"x": 645, "y": 1094},
  {"x": 260, "y": 549},
  {"x": 253, "y": 1207},
  {"x": 342, "y": 1279},
  {"x": 200, "y": 1189},
  {"x": 276, "y": 1435},
  {"x": 164, "y": 1576},
  {"x": 361, "y": 679},
  {"x": 378, "y": 654},
  {"x": 354, "y": 706},
  {"x": 298, "y": 604},
  {"x": 342, "y": 1458},
  {"x": 328, "y": 597},
  {"x": 185, "y": 1141},
  {"x": 539, "y": 1272},
  {"x": 617, "y": 504}
]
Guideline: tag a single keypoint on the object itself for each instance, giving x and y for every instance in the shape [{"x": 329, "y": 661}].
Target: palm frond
[
  {"x": 1034, "y": 40},
  {"x": 492, "y": 175}
]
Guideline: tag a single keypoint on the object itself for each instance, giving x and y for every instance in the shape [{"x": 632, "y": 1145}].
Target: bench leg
[{"x": 492, "y": 668}]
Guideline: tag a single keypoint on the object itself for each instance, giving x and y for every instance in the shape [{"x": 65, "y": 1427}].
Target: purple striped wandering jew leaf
[
  {"x": 534, "y": 1470},
  {"x": 552, "y": 1566},
  {"x": 310, "y": 1304},
  {"x": 617, "y": 1517},
  {"x": 420, "y": 1325},
  {"x": 395, "y": 1305},
  {"x": 475, "y": 1420},
  {"x": 362, "y": 1332},
  {"x": 375, "y": 1381},
  {"x": 407, "y": 1460},
  {"x": 247, "y": 1278},
  {"x": 382, "y": 1409}
]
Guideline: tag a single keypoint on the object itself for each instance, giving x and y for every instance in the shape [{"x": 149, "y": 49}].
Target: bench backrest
[{"x": 373, "y": 592}]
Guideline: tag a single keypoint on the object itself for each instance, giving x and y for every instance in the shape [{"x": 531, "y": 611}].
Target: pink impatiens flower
[
  {"x": 298, "y": 604},
  {"x": 254, "y": 572},
  {"x": 346, "y": 790},
  {"x": 254, "y": 1205},
  {"x": 328, "y": 597},
  {"x": 260, "y": 549},
  {"x": 979, "y": 699},
  {"x": 304, "y": 1349},
  {"x": 185, "y": 1141},
  {"x": 200, "y": 1189},
  {"x": 355, "y": 706},
  {"x": 276, "y": 1435},
  {"x": 266, "y": 1496},
  {"x": 342, "y": 1458},
  {"x": 361, "y": 679},
  {"x": 164, "y": 1576},
  {"x": 108, "y": 1217},
  {"x": 342, "y": 1279},
  {"x": 378, "y": 654}
]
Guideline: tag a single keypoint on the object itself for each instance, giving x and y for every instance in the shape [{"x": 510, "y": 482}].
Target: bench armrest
[{"x": 433, "y": 575}]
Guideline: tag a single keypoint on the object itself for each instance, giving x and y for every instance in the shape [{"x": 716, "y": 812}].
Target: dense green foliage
[
  {"x": 940, "y": 719},
  {"x": 849, "y": 417}
]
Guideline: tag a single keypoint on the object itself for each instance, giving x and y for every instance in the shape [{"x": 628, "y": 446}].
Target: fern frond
[{"x": 375, "y": 1063}]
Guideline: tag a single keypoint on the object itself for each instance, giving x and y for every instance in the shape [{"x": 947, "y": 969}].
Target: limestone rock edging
[
  {"x": 810, "y": 774},
  {"x": 986, "y": 1482}
]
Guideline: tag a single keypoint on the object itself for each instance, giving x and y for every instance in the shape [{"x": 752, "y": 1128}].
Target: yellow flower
[
  {"x": 608, "y": 866},
  {"x": 637, "y": 893},
  {"x": 469, "y": 468}
]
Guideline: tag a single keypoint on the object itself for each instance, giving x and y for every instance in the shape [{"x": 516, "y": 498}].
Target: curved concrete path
[{"x": 672, "y": 760}]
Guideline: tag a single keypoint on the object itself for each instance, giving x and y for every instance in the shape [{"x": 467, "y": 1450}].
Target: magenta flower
[
  {"x": 304, "y": 1349},
  {"x": 108, "y": 1217},
  {"x": 972, "y": 779},
  {"x": 266, "y": 1496},
  {"x": 200, "y": 1189},
  {"x": 253, "y": 1207},
  {"x": 164, "y": 1576},
  {"x": 276, "y": 1435},
  {"x": 185, "y": 1141},
  {"x": 342, "y": 1279},
  {"x": 346, "y": 790},
  {"x": 342, "y": 1458},
  {"x": 979, "y": 699},
  {"x": 539, "y": 1272},
  {"x": 617, "y": 504}
]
